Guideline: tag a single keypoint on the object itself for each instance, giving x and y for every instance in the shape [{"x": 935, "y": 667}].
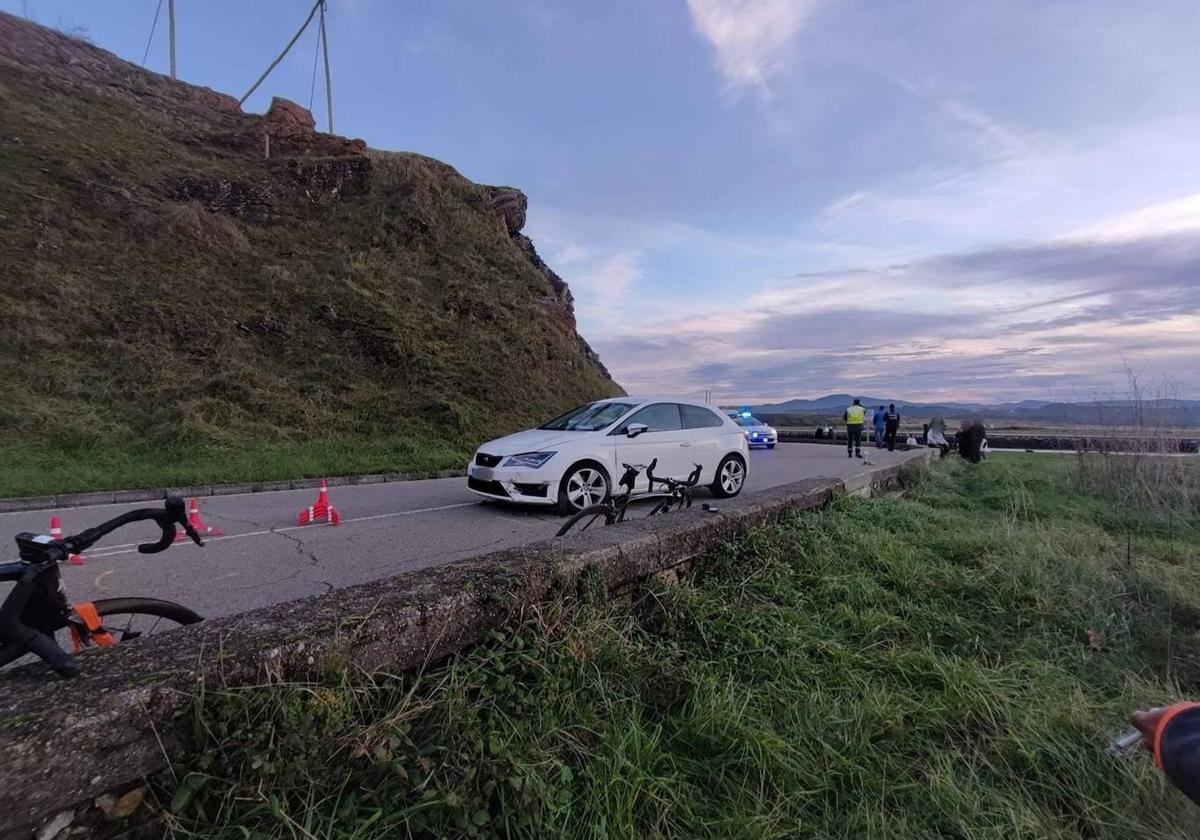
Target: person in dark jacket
[
  {"x": 970, "y": 440},
  {"x": 1172, "y": 735},
  {"x": 891, "y": 425},
  {"x": 880, "y": 422}
]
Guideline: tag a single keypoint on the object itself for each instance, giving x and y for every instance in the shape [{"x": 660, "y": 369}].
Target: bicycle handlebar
[
  {"x": 173, "y": 513},
  {"x": 673, "y": 483}
]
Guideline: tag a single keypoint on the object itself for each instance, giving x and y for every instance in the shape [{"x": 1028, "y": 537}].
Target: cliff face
[{"x": 172, "y": 267}]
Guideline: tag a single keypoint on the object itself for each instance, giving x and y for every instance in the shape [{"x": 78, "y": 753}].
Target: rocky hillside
[{"x": 172, "y": 269}]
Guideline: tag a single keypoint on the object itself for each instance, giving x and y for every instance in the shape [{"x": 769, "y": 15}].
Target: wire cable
[
  {"x": 279, "y": 58},
  {"x": 153, "y": 26},
  {"x": 312, "y": 90}
]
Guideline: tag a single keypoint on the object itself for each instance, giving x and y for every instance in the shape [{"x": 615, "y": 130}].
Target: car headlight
[{"x": 529, "y": 459}]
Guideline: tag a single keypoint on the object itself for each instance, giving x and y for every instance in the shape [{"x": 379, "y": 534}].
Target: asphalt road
[{"x": 265, "y": 558}]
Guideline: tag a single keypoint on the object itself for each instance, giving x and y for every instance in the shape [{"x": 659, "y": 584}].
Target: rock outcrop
[
  {"x": 285, "y": 120},
  {"x": 293, "y": 130},
  {"x": 511, "y": 205}
]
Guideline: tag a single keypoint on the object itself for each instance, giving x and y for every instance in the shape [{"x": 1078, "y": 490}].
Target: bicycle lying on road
[
  {"x": 37, "y": 609},
  {"x": 677, "y": 494}
]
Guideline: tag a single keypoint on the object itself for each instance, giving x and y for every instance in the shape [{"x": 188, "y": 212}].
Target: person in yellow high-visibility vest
[{"x": 854, "y": 416}]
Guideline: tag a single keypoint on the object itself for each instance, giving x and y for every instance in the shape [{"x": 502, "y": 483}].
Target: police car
[{"x": 758, "y": 433}]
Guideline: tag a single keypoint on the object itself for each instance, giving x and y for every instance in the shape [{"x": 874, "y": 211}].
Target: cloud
[
  {"x": 1043, "y": 319},
  {"x": 750, "y": 36},
  {"x": 1174, "y": 216},
  {"x": 602, "y": 288},
  {"x": 571, "y": 253},
  {"x": 984, "y": 175}
]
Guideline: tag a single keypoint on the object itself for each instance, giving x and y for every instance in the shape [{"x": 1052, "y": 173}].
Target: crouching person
[
  {"x": 1172, "y": 735},
  {"x": 970, "y": 440}
]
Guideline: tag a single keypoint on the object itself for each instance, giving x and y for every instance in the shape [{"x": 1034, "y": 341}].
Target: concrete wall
[{"x": 65, "y": 741}]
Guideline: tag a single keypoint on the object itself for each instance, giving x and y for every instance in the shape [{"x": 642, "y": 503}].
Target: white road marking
[
  {"x": 130, "y": 548},
  {"x": 213, "y": 496},
  {"x": 101, "y": 577}
]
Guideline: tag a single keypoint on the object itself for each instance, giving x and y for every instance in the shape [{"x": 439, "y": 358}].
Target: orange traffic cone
[
  {"x": 321, "y": 510},
  {"x": 57, "y": 534},
  {"x": 199, "y": 524}
]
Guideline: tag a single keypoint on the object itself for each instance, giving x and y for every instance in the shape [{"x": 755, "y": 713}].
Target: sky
[{"x": 934, "y": 199}]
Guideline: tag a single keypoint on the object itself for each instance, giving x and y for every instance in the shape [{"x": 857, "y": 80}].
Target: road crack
[{"x": 314, "y": 562}]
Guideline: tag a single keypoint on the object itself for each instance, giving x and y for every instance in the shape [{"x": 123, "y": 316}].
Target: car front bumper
[
  {"x": 511, "y": 484},
  {"x": 762, "y": 439}
]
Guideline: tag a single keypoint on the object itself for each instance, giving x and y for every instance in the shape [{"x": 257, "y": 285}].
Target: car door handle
[{"x": 685, "y": 443}]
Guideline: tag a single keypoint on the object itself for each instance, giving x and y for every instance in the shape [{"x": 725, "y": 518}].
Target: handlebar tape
[{"x": 173, "y": 513}]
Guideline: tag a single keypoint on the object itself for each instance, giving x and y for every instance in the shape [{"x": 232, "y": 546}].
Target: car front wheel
[
  {"x": 731, "y": 477},
  {"x": 584, "y": 485}
]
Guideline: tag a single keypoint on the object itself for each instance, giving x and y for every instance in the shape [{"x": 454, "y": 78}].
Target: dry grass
[{"x": 132, "y": 319}]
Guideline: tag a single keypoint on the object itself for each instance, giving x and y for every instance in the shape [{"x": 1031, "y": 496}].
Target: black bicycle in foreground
[
  {"x": 677, "y": 493},
  {"x": 37, "y": 609}
]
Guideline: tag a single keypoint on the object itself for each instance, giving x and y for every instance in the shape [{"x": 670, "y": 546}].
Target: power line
[
  {"x": 312, "y": 89},
  {"x": 318, "y": 5},
  {"x": 153, "y": 26}
]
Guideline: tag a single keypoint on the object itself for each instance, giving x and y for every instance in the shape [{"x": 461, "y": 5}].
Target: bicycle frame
[
  {"x": 39, "y": 603},
  {"x": 37, "y": 606},
  {"x": 677, "y": 492},
  {"x": 621, "y": 503}
]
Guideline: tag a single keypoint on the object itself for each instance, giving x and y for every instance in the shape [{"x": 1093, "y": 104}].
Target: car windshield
[
  {"x": 588, "y": 418},
  {"x": 743, "y": 420}
]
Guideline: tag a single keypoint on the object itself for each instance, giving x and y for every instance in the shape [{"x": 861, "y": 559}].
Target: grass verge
[
  {"x": 948, "y": 663},
  {"x": 45, "y": 469}
]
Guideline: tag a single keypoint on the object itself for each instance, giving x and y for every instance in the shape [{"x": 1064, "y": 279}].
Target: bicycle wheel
[
  {"x": 586, "y": 518},
  {"x": 127, "y": 619}
]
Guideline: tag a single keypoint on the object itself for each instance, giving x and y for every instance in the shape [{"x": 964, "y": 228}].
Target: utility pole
[
  {"x": 171, "y": 26},
  {"x": 328, "y": 83}
]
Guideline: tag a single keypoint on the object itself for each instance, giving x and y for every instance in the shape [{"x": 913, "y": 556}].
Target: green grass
[
  {"x": 35, "y": 470},
  {"x": 910, "y": 667}
]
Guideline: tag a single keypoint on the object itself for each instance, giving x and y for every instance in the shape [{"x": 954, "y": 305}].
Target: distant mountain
[
  {"x": 1173, "y": 412},
  {"x": 826, "y": 403}
]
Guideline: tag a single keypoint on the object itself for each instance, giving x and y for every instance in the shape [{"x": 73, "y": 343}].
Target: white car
[
  {"x": 573, "y": 461},
  {"x": 757, "y": 432}
]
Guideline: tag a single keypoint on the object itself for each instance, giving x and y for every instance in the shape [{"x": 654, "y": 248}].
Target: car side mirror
[{"x": 635, "y": 429}]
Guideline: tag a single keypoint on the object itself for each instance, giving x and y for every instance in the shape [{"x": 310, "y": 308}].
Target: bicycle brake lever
[{"x": 191, "y": 532}]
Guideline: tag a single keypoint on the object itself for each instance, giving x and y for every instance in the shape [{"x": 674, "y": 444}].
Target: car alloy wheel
[
  {"x": 585, "y": 487},
  {"x": 733, "y": 474}
]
